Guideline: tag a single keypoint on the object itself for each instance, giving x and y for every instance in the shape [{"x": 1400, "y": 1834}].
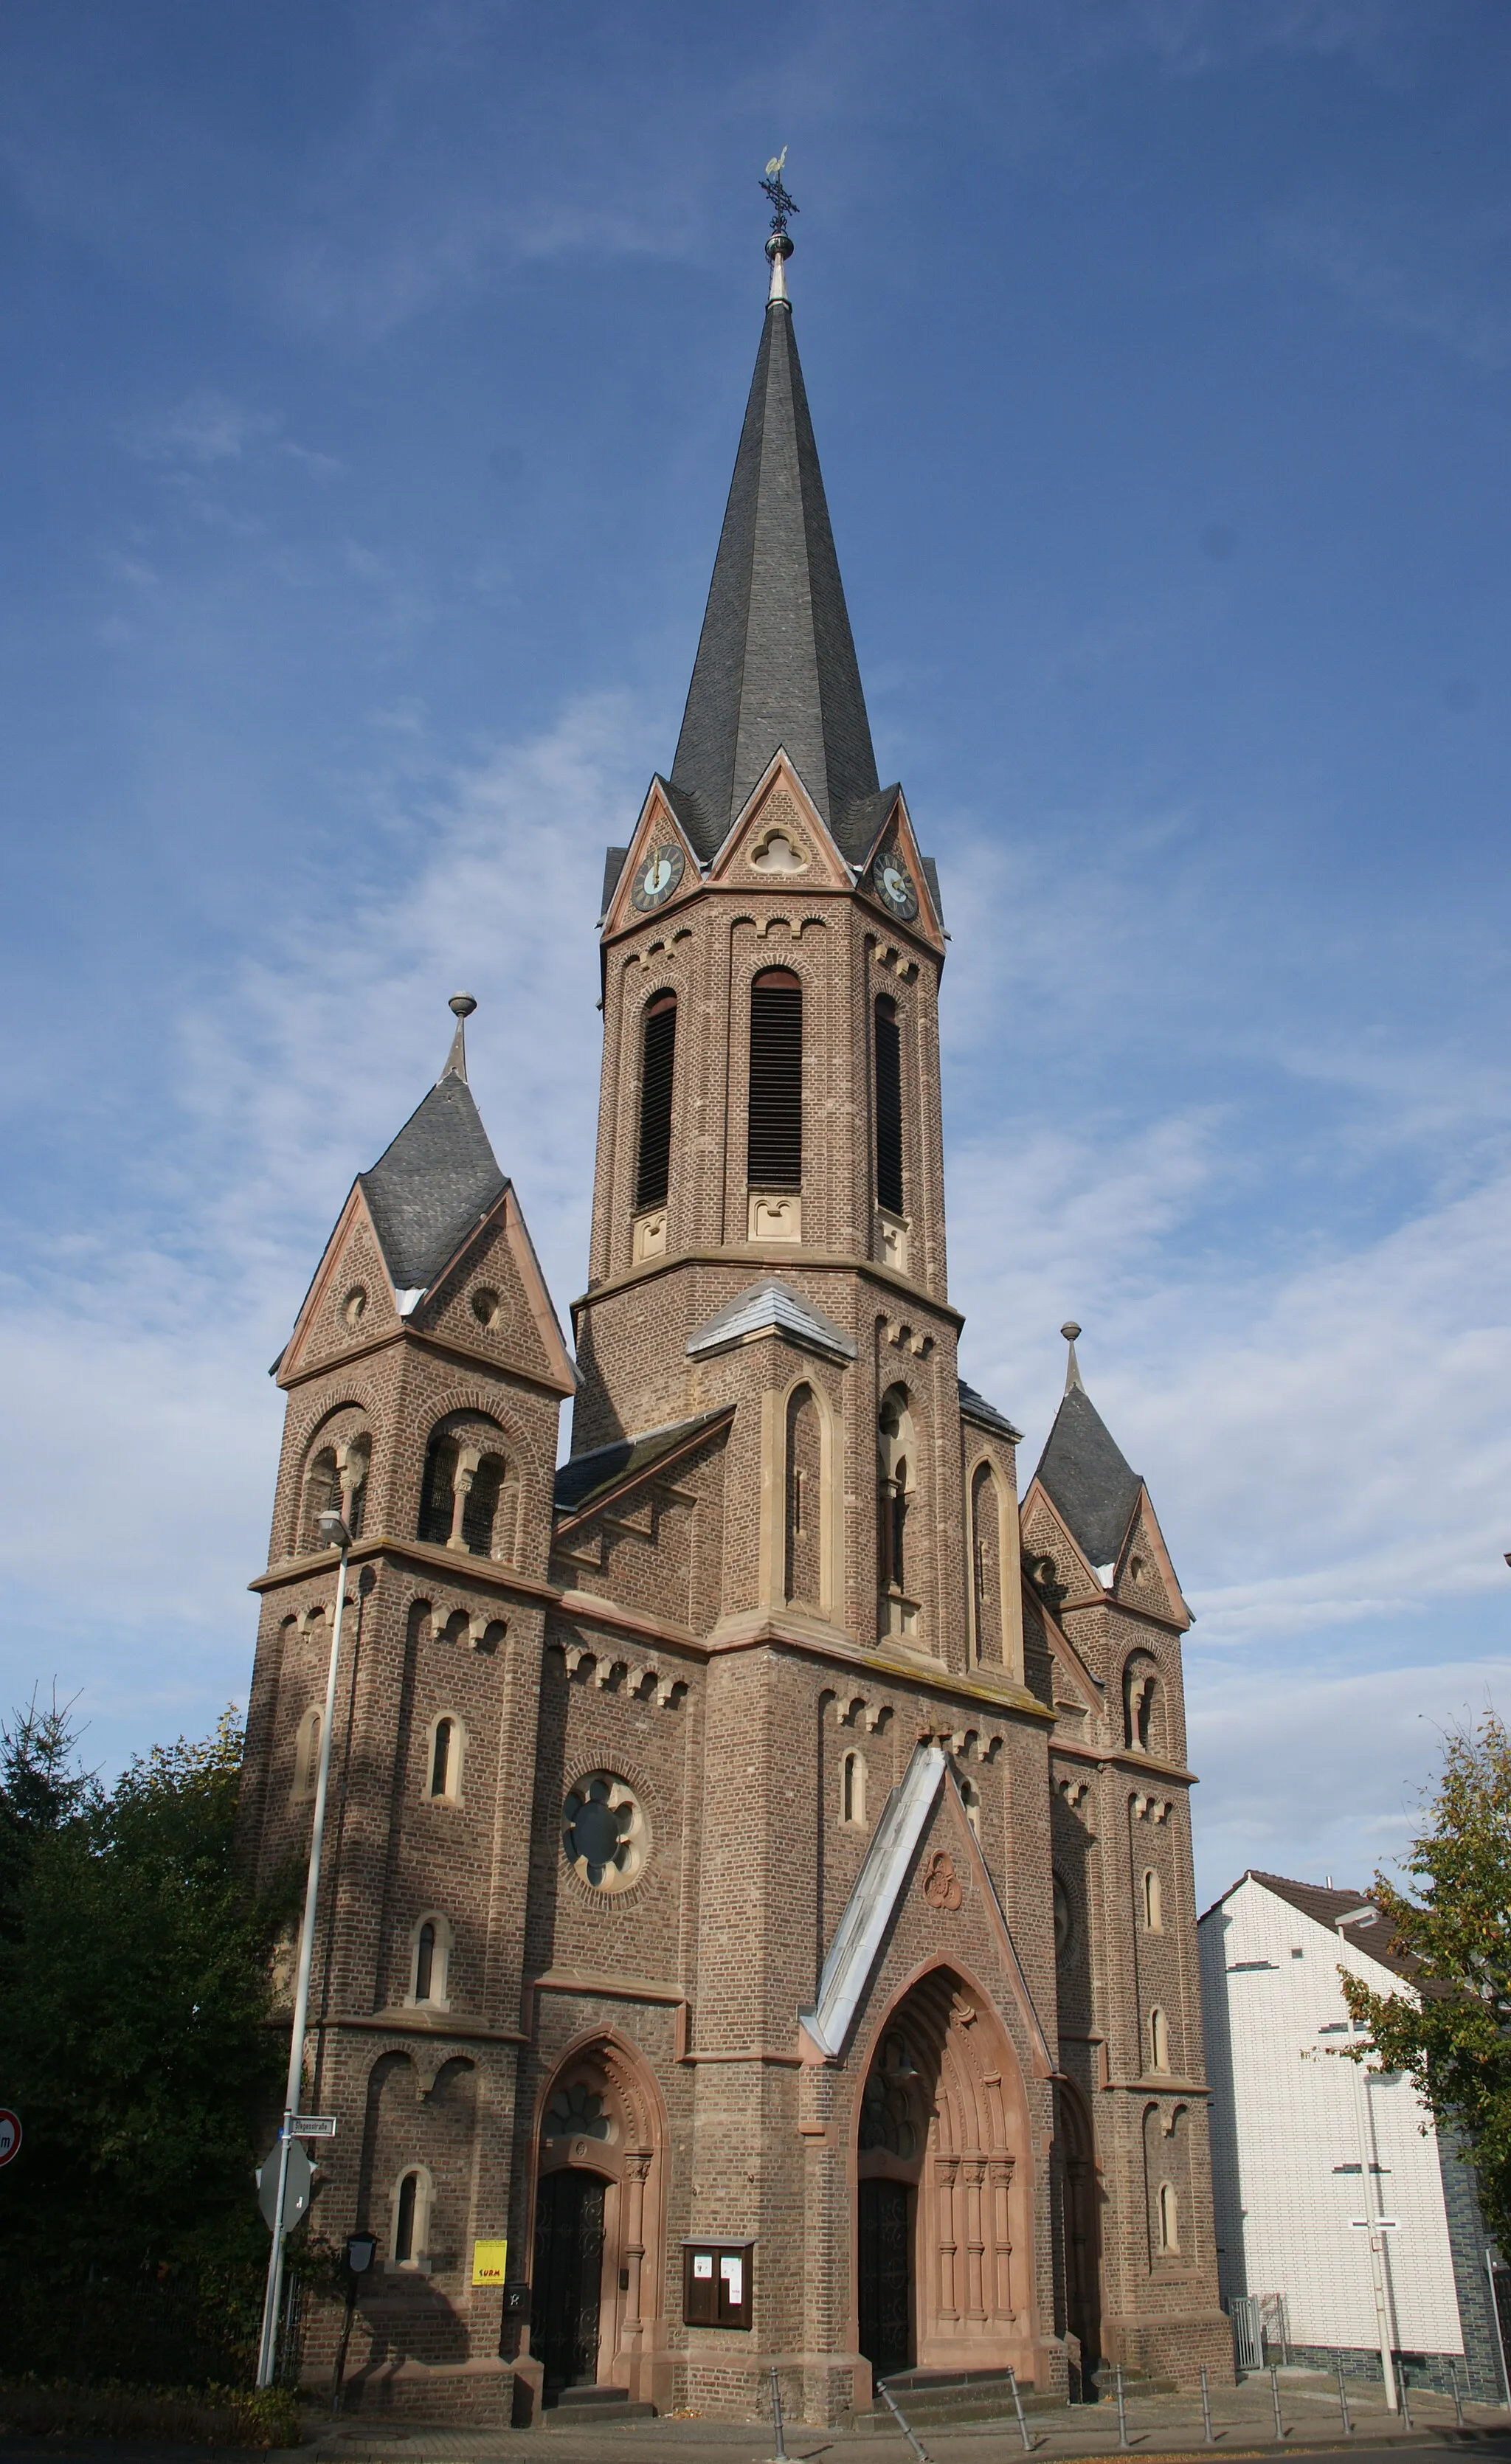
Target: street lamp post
[
  {"x": 1372, "y": 2195},
  {"x": 334, "y": 1531}
]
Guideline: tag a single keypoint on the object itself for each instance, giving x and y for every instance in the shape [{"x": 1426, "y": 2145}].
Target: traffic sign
[
  {"x": 296, "y": 2181},
  {"x": 9, "y": 2133},
  {"x": 312, "y": 2125}
]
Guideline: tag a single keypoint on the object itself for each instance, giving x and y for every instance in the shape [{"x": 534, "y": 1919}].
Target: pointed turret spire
[
  {"x": 438, "y": 1179},
  {"x": 775, "y": 664},
  {"x": 461, "y": 1006},
  {"x": 1083, "y": 1471},
  {"x": 1070, "y": 1330}
]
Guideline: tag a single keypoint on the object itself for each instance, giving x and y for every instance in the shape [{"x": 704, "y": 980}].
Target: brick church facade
[{"x": 757, "y": 1885}]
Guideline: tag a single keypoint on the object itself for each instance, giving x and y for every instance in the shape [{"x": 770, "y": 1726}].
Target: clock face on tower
[
  {"x": 656, "y": 879},
  {"x": 894, "y": 885}
]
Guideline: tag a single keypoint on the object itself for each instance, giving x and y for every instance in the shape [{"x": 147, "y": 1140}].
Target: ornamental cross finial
[{"x": 782, "y": 205}]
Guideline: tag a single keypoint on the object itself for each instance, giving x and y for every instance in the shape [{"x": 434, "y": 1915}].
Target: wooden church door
[
  {"x": 886, "y": 2275},
  {"x": 569, "y": 2277}
]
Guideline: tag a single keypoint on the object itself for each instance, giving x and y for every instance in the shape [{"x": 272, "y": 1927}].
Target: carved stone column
[
  {"x": 1000, "y": 2170},
  {"x": 975, "y": 2240},
  {"x": 467, "y": 1462},
  {"x": 637, "y": 2165},
  {"x": 947, "y": 2170}
]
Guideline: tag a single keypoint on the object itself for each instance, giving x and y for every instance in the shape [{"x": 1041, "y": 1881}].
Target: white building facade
[{"x": 1316, "y": 2158}]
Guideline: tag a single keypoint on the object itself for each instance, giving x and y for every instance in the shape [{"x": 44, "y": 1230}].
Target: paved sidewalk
[{"x": 1158, "y": 2427}]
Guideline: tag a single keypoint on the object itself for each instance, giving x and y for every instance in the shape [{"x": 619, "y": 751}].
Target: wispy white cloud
[
  {"x": 290, "y": 1081},
  {"x": 1412, "y": 271},
  {"x": 1307, "y": 1773},
  {"x": 202, "y": 429}
]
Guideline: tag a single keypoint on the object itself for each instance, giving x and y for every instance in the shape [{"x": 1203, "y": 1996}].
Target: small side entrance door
[
  {"x": 886, "y": 2285},
  {"x": 569, "y": 2270}
]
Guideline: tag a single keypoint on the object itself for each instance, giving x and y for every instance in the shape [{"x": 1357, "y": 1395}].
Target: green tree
[
  {"x": 1455, "y": 1928},
  {"x": 134, "y": 1999}
]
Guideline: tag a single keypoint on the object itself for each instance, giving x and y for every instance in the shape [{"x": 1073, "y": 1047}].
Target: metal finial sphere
[
  {"x": 1070, "y": 1329},
  {"x": 460, "y": 1004},
  {"x": 779, "y": 245}
]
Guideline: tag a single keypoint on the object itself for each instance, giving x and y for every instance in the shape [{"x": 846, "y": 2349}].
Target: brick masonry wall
[{"x": 652, "y": 1643}]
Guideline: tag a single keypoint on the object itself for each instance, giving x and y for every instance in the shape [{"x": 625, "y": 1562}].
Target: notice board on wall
[{"x": 716, "y": 2283}]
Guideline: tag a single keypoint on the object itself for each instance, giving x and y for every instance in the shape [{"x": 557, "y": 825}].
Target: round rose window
[{"x": 605, "y": 1832}]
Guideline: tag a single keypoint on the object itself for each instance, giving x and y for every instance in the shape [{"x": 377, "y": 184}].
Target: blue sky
[{"x": 373, "y": 380}]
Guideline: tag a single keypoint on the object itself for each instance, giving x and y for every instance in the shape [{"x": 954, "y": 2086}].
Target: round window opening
[
  {"x": 353, "y": 1306},
  {"x": 604, "y": 1833},
  {"x": 484, "y": 1307}
]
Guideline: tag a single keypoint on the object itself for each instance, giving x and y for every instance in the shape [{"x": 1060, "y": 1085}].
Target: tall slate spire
[{"x": 775, "y": 662}]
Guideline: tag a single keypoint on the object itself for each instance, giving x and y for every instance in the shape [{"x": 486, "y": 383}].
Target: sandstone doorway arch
[
  {"x": 598, "y": 2234},
  {"x": 944, "y": 2273}
]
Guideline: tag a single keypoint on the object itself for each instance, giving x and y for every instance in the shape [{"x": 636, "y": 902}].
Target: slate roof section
[
  {"x": 986, "y": 1416},
  {"x": 1370, "y": 1935},
  {"x": 584, "y": 1476},
  {"x": 433, "y": 1185},
  {"x": 775, "y": 663},
  {"x": 615, "y": 860},
  {"x": 1087, "y": 1480},
  {"x": 770, "y": 1308}
]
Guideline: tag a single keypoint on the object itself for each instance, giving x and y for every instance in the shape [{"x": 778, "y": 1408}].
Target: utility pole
[
  {"x": 334, "y": 1531},
  {"x": 1373, "y": 2195}
]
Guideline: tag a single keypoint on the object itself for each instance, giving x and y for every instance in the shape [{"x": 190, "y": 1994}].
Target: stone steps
[{"x": 582, "y": 2408}]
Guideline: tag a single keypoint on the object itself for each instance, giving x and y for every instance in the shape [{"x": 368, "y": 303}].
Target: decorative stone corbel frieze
[{"x": 645, "y": 1681}]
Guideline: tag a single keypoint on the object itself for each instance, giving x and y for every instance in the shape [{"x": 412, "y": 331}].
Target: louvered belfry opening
[
  {"x": 774, "y": 1135},
  {"x": 657, "y": 1067},
  {"x": 889, "y": 1106}
]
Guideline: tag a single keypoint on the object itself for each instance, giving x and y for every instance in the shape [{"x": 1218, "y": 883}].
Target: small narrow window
[
  {"x": 404, "y": 2221},
  {"x": 484, "y": 1525},
  {"x": 1158, "y": 2041},
  {"x": 1153, "y": 1904},
  {"x": 438, "y": 1491},
  {"x": 888, "y": 1107},
  {"x": 852, "y": 1789},
  {"x": 440, "y": 1758},
  {"x": 971, "y": 1800},
  {"x": 773, "y": 1131},
  {"x": 657, "y": 1071},
  {"x": 323, "y": 1495},
  {"x": 307, "y": 1753},
  {"x": 424, "y": 1963},
  {"x": 1169, "y": 2218}
]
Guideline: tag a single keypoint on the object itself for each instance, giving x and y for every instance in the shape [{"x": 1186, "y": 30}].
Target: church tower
[{"x": 761, "y": 1894}]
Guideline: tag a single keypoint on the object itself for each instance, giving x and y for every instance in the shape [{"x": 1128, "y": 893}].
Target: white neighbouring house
[{"x": 1305, "y": 2142}]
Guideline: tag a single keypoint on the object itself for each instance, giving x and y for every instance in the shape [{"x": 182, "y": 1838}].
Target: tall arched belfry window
[
  {"x": 986, "y": 1563},
  {"x": 774, "y": 1131},
  {"x": 657, "y": 1068},
  {"x": 803, "y": 1573},
  {"x": 889, "y": 1106},
  {"x": 896, "y": 1479}
]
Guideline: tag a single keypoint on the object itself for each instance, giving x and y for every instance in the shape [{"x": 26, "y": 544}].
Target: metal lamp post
[
  {"x": 334, "y": 1531},
  {"x": 1374, "y": 2201}
]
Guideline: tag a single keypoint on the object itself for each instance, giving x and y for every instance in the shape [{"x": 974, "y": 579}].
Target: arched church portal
[
  {"x": 944, "y": 2188},
  {"x": 593, "y": 2285},
  {"x": 1077, "y": 2195}
]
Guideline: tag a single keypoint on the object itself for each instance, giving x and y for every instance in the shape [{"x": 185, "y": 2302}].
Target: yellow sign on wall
[{"x": 489, "y": 2259}]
